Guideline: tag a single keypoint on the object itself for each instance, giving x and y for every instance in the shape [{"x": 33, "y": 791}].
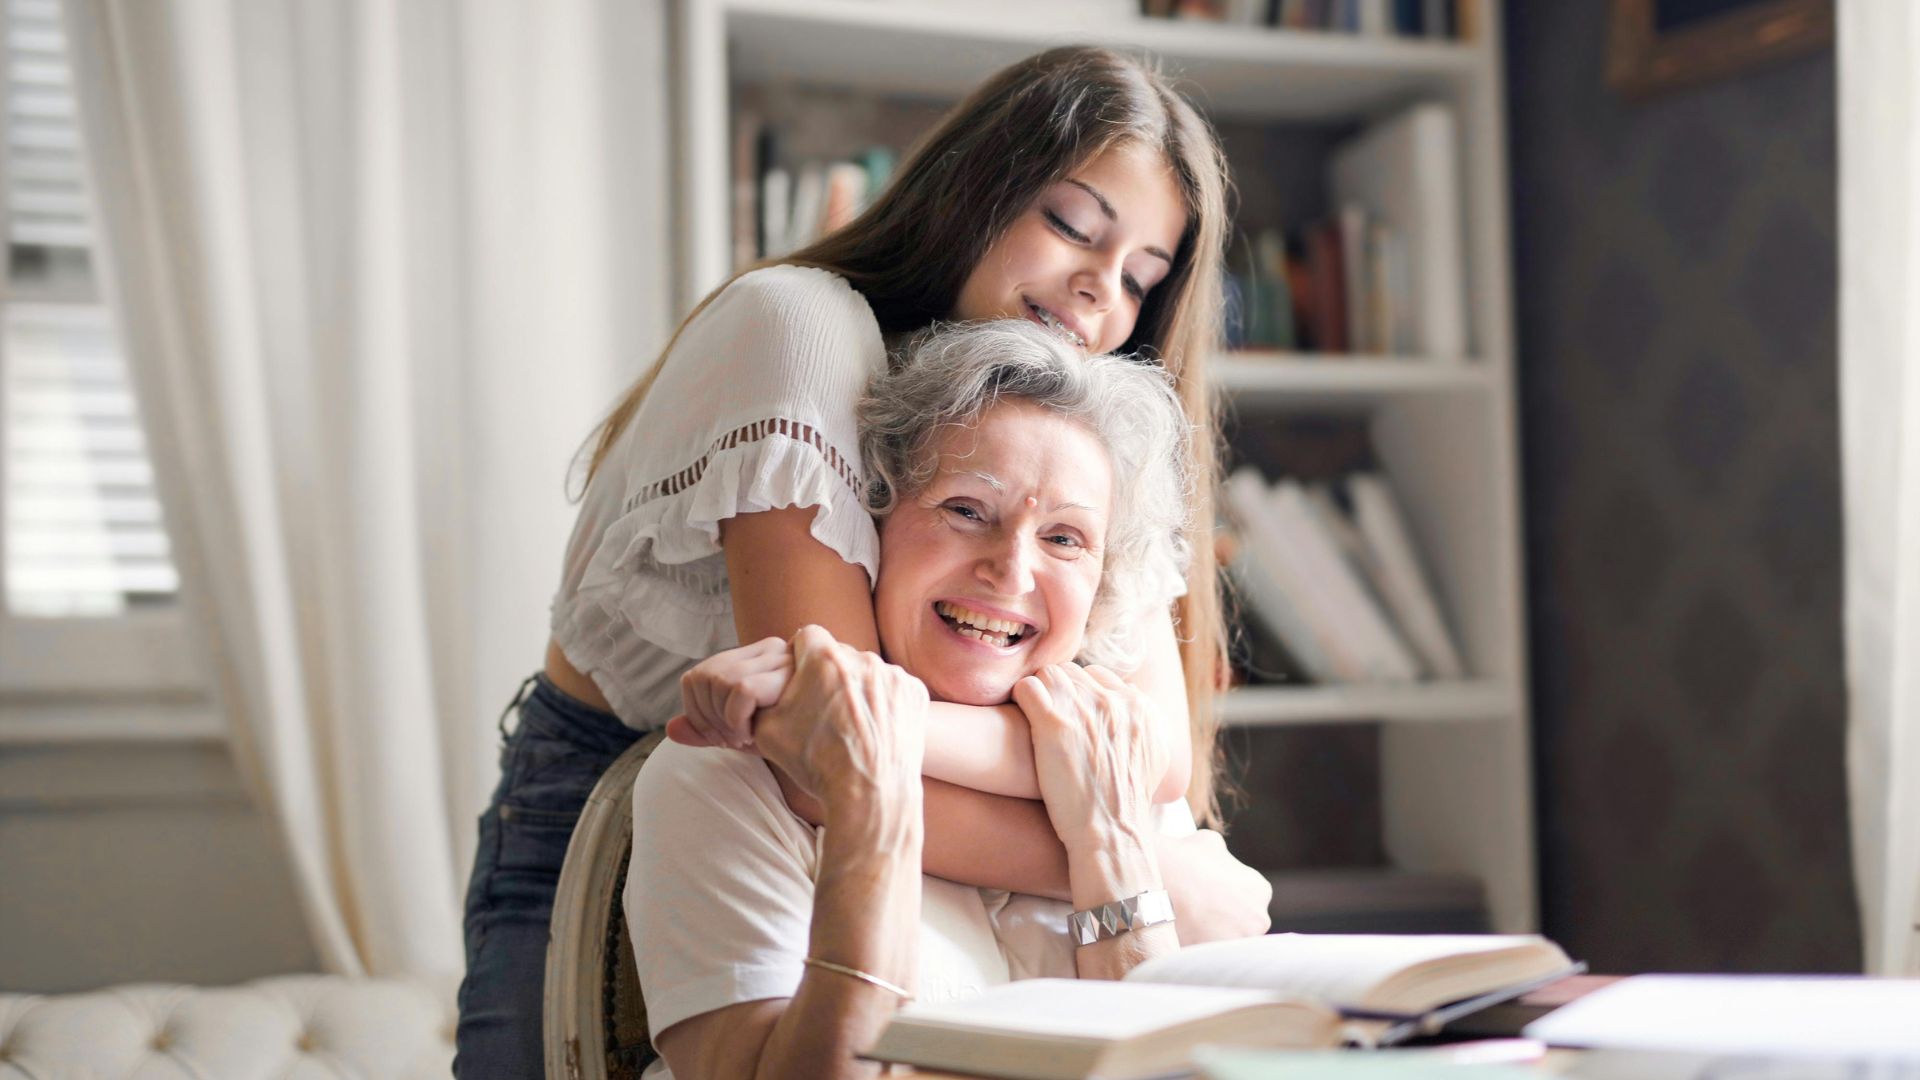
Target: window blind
[{"x": 84, "y": 533}]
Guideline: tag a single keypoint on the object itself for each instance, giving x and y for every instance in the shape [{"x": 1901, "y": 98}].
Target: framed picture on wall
[{"x": 1659, "y": 45}]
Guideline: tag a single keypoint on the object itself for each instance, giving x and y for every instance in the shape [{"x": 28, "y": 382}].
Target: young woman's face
[
  {"x": 989, "y": 572},
  {"x": 1083, "y": 258}
]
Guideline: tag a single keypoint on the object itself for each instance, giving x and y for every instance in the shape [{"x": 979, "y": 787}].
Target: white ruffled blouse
[{"x": 753, "y": 410}]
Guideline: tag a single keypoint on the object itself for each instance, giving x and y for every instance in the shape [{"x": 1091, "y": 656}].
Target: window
[
  {"x": 88, "y": 589},
  {"x": 83, "y": 530}
]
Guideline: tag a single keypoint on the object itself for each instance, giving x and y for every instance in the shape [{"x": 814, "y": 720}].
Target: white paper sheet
[{"x": 1770, "y": 1015}]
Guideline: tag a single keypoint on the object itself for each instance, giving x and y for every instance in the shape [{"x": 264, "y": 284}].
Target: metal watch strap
[{"x": 1150, "y": 908}]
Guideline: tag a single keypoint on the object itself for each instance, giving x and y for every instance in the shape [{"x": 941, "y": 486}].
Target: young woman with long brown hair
[{"x": 724, "y": 502}]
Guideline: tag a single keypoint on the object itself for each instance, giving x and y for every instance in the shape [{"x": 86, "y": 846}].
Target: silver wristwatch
[{"x": 1150, "y": 908}]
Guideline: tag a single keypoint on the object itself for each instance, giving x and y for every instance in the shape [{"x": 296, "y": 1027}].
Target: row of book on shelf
[
  {"x": 781, "y": 205},
  {"x": 1331, "y": 571},
  {"x": 1457, "y": 20},
  {"x": 1445, "y": 19},
  {"x": 1338, "y": 286},
  {"x": 1384, "y": 274}
]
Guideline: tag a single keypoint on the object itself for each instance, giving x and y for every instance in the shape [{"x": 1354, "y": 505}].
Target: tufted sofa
[{"x": 292, "y": 1027}]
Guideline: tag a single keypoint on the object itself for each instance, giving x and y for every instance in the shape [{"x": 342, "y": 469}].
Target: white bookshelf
[
  {"x": 1455, "y": 768},
  {"x": 937, "y": 52}
]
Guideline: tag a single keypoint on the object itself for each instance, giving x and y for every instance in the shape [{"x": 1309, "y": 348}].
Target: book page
[
  {"x": 1081, "y": 1008},
  {"x": 1335, "y": 968}
]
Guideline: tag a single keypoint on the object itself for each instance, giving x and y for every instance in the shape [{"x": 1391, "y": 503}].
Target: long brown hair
[{"x": 1028, "y": 127}]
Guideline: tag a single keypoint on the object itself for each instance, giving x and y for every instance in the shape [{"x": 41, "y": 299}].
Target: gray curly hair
[{"x": 951, "y": 374}]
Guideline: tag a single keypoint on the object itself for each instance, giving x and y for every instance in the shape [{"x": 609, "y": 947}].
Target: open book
[{"x": 1282, "y": 990}]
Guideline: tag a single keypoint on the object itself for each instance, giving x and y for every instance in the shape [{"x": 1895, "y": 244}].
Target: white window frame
[{"x": 138, "y": 675}]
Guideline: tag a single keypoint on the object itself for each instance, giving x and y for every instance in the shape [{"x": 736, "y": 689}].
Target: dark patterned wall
[{"x": 1676, "y": 286}]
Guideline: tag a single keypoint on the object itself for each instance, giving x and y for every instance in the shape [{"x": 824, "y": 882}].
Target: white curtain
[
  {"x": 380, "y": 265},
  {"x": 1879, "y": 73}
]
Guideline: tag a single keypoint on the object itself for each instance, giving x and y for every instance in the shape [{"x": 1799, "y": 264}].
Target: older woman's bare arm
[
  {"x": 848, "y": 731},
  {"x": 866, "y": 915}
]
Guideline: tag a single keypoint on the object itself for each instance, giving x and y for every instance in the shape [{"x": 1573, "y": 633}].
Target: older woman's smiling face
[{"x": 989, "y": 572}]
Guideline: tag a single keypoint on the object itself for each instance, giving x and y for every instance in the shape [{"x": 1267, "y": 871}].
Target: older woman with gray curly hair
[
  {"x": 1030, "y": 504},
  {"x": 954, "y": 377}
]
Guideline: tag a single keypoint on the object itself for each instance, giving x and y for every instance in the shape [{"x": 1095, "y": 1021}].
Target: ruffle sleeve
[{"x": 753, "y": 409}]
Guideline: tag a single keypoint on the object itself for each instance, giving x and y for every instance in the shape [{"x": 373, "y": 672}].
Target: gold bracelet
[{"x": 856, "y": 973}]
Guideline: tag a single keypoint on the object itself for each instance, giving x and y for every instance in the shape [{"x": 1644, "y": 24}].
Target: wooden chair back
[{"x": 595, "y": 1021}]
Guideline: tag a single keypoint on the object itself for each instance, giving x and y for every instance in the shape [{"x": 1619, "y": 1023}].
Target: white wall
[{"x": 138, "y": 861}]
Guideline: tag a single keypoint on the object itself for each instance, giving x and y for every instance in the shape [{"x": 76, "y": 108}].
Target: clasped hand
[
  {"x": 1094, "y": 752},
  {"x": 839, "y": 722}
]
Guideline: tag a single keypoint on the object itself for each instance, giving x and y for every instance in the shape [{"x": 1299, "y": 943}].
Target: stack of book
[
  {"x": 1386, "y": 272},
  {"x": 1442, "y": 19},
  {"x": 1331, "y": 571},
  {"x": 781, "y": 205}
]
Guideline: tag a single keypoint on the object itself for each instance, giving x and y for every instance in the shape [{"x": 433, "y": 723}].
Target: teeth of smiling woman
[
  {"x": 1000, "y": 640},
  {"x": 981, "y": 627},
  {"x": 1053, "y": 323}
]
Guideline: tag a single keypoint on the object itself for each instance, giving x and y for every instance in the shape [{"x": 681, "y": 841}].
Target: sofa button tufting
[{"x": 142, "y": 1028}]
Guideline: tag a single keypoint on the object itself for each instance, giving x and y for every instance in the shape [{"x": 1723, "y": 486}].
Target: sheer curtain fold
[
  {"x": 362, "y": 255},
  {"x": 1879, "y": 102}
]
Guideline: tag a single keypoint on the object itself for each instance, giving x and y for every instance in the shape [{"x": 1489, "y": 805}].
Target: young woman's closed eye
[
  {"x": 1086, "y": 256},
  {"x": 1076, "y": 210}
]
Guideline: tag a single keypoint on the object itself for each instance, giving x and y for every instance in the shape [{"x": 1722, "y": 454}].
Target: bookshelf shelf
[
  {"x": 1242, "y": 72},
  {"x": 1276, "y": 379},
  {"x": 1452, "y": 702}
]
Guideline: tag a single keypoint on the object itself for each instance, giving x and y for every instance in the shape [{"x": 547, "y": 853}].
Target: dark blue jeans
[{"x": 549, "y": 764}]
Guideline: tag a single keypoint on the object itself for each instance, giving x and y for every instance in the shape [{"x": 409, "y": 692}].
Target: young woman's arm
[
  {"x": 989, "y": 748},
  {"x": 783, "y": 579}
]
